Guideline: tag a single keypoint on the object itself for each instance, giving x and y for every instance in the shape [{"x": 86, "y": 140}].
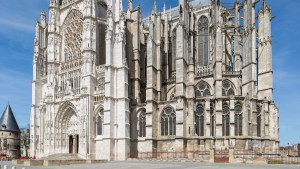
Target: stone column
[
  {"x": 265, "y": 72},
  {"x": 249, "y": 72},
  {"x": 231, "y": 155},
  {"x": 88, "y": 79},
  {"x": 207, "y": 118},
  {"x": 109, "y": 101},
  {"x": 151, "y": 91},
  {"x": 232, "y": 115},
  {"x": 212, "y": 155}
]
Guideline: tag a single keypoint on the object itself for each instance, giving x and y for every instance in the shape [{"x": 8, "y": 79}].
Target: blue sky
[{"x": 16, "y": 50}]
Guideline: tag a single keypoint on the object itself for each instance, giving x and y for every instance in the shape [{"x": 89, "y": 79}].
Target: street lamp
[{"x": 288, "y": 149}]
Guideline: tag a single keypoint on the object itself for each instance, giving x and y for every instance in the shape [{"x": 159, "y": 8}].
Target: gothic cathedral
[{"x": 108, "y": 83}]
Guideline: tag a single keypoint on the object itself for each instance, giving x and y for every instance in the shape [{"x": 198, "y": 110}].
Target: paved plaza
[{"x": 158, "y": 165}]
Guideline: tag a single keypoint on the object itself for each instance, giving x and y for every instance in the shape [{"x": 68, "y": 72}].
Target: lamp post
[{"x": 288, "y": 149}]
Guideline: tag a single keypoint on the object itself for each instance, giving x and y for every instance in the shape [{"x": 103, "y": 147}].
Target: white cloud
[{"x": 13, "y": 24}]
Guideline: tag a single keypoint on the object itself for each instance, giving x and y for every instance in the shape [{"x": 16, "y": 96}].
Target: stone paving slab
[{"x": 157, "y": 165}]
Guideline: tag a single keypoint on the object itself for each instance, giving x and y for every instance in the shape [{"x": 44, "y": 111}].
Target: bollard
[
  {"x": 23, "y": 168},
  {"x": 13, "y": 167},
  {"x": 5, "y": 167}
]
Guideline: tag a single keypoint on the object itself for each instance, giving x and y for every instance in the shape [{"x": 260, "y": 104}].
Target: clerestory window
[{"x": 203, "y": 37}]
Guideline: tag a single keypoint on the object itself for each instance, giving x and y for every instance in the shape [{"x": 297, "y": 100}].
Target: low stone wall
[
  {"x": 55, "y": 162},
  {"x": 34, "y": 162},
  {"x": 17, "y": 162}
]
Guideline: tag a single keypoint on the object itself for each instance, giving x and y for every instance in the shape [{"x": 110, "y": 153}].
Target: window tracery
[
  {"x": 199, "y": 118},
  {"x": 238, "y": 119},
  {"x": 73, "y": 28},
  {"x": 259, "y": 108},
  {"x": 142, "y": 124},
  {"x": 227, "y": 88},
  {"x": 202, "y": 89},
  {"x": 203, "y": 37},
  {"x": 99, "y": 123},
  {"x": 168, "y": 122},
  {"x": 226, "y": 120}
]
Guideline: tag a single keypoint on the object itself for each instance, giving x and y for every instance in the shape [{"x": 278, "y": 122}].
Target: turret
[
  {"x": 249, "y": 71},
  {"x": 154, "y": 10},
  {"x": 265, "y": 72},
  {"x": 43, "y": 18},
  {"x": 237, "y": 39}
]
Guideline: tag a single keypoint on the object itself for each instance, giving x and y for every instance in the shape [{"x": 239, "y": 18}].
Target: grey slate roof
[{"x": 8, "y": 121}]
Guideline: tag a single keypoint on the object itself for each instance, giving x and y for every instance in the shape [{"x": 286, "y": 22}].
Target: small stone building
[{"x": 9, "y": 134}]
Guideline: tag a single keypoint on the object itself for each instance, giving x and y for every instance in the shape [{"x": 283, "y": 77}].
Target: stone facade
[{"x": 108, "y": 83}]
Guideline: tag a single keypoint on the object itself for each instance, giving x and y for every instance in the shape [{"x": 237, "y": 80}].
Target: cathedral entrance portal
[{"x": 68, "y": 127}]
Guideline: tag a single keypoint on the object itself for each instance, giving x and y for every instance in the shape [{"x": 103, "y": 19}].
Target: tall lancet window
[
  {"x": 238, "y": 119},
  {"x": 203, "y": 38},
  {"x": 258, "y": 120},
  {"x": 212, "y": 120},
  {"x": 226, "y": 120},
  {"x": 142, "y": 124},
  {"x": 99, "y": 123},
  {"x": 199, "y": 119},
  {"x": 101, "y": 53},
  {"x": 168, "y": 122},
  {"x": 101, "y": 13},
  {"x": 172, "y": 54}
]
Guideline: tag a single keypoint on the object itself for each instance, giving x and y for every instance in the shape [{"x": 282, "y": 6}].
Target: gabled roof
[{"x": 8, "y": 121}]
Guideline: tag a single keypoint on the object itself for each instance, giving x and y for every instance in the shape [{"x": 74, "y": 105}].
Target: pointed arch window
[
  {"x": 202, "y": 89},
  {"x": 168, "y": 122},
  {"x": 142, "y": 124},
  {"x": 212, "y": 120},
  {"x": 101, "y": 49},
  {"x": 99, "y": 123},
  {"x": 226, "y": 120},
  {"x": 203, "y": 41},
  {"x": 238, "y": 119},
  {"x": 227, "y": 88},
  {"x": 199, "y": 119},
  {"x": 259, "y": 108}
]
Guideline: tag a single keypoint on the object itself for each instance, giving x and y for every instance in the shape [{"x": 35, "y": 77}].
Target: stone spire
[
  {"x": 264, "y": 4},
  {"x": 8, "y": 121},
  {"x": 170, "y": 13},
  {"x": 43, "y": 18},
  {"x": 165, "y": 8},
  {"x": 154, "y": 10},
  {"x": 130, "y": 5}
]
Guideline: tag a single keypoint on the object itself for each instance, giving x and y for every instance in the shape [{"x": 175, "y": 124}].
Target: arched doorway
[{"x": 67, "y": 128}]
